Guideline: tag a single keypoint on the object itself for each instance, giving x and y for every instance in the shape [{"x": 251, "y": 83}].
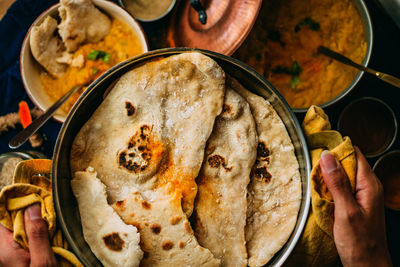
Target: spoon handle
[
  {"x": 388, "y": 78},
  {"x": 339, "y": 57},
  {"x": 24, "y": 135}
]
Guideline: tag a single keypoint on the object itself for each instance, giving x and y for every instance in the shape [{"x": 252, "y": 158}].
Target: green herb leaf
[
  {"x": 312, "y": 24},
  {"x": 105, "y": 57},
  {"x": 97, "y": 54},
  {"x": 93, "y": 54},
  {"x": 295, "y": 69},
  {"x": 94, "y": 71},
  {"x": 294, "y": 81}
]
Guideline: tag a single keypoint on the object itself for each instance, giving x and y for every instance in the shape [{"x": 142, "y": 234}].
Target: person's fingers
[
  {"x": 363, "y": 168},
  {"x": 38, "y": 238},
  {"x": 369, "y": 189},
  {"x": 11, "y": 253},
  {"x": 337, "y": 182}
]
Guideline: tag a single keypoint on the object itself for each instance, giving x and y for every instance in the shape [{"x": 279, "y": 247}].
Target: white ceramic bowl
[{"x": 30, "y": 69}]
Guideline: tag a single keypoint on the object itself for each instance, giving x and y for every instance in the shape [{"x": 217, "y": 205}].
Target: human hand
[
  {"x": 359, "y": 224},
  {"x": 40, "y": 253}
]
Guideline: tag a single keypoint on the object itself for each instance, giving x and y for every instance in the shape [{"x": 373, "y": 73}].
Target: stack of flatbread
[{"x": 197, "y": 171}]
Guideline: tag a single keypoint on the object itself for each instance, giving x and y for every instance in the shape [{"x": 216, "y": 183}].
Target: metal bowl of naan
[{"x": 283, "y": 221}]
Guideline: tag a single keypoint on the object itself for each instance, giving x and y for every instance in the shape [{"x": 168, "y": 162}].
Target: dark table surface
[{"x": 385, "y": 57}]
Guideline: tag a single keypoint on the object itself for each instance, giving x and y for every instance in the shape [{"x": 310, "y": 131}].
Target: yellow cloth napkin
[
  {"x": 316, "y": 246},
  {"x": 30, "y": 186}
]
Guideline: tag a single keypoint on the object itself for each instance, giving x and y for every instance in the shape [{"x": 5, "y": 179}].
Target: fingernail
[
  {"x": 34, "y": 212},
  {"x": 328, "y": 161}
]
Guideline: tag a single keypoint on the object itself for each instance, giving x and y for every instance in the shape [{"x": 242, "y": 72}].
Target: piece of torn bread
[
  {"x": 149, "y": 134},
  {"x": 112, "y": 241},
  {"x": 81, "y": 22},
  {"x": 220, "y": 207},
  {"x": 167, "y": 238},
  {"x": 46, "y": 47},
  {"x": 152, "y": 128},
  {"x": 275, "y": 186}
]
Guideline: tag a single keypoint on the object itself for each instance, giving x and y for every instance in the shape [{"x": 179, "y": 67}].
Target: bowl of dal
[
  {"x": 283, "y": 47},
  {"x": 125, "y": 39}
]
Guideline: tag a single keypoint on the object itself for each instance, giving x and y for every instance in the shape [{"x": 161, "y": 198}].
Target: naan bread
[
  {"x": 46, "y": 47},
  {"x": 81, "y": 22},
  {"x": 150, "y": 134},
  {"x": 167, "y": 238},
  {"x": 220, "y": 209},
  {"x": 152, "y": 128},
  {"x": 112, "y": 241},
  {"x": 275, "y": 185}
]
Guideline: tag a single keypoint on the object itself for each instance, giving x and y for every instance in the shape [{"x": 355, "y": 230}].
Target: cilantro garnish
[{"x": 97, "y": 54}]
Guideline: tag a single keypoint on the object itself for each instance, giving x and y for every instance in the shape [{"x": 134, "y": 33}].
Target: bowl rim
[
  {"x": 26, "y": 46},
  {"x": 306, "y": 185},
  {"x": 383, "y": 103},
  {"x": 173, "y": 3},
  {"x": 369, "y": 35},
  {"x": 378, "y": 161}
]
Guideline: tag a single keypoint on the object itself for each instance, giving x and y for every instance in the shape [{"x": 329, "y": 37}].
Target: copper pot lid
[{"x": 228, "y": 24}]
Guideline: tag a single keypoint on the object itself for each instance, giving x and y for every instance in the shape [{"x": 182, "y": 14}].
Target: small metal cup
[
  {"x": 347, "y": 110},
  {"x": 390, "y": 161},
  {"x": 123, "y": 4}
]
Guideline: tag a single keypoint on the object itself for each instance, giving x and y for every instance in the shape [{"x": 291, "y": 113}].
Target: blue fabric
[{"x": 13, "y": 28}]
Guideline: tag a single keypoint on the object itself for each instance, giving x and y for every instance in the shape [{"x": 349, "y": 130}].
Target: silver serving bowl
[
  {"x": 64, "y": 200},
  {"x": 366, "y": 20}
]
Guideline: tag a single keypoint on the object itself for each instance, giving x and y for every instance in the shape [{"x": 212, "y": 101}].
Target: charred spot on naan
[
  {"x": 217, "y": 161},
  {"x": 262, "y": 173},
  {"x": 120, "y": 204},
  {"x": 143, "y": 153},
  {"x": 146, "y": 205},
  {"x": 167, "y": 245},
  {"x": 113, "y": 241},
  {"x": 155, "y": 228},
  {"x": 260, "y": 170},
  {"x": 231, "y": 111},
  {"x": 262, "y": 150},
  {"x": 130, "y": 108}
]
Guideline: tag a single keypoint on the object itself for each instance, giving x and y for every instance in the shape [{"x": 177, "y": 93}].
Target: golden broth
[
  {"x": 286, "y": 33},
  {"x": 121, "y": 43}
]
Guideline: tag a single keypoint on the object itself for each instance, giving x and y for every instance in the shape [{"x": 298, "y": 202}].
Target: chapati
[
  {"x": 275, "y": 185},
  {"x": 112, "y": 241},
  {"x": 149, "y": 136},
  {"x": 221, "y": 205}
]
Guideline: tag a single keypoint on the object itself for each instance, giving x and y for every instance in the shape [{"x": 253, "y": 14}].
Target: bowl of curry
[
  {"x": 283, "y": 43},
  {"x": 90, "y": 60}
]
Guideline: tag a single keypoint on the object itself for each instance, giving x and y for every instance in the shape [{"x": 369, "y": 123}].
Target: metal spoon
[
  {"x": 339, "y": 57},
  {"x": 24, "y": 135}
]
